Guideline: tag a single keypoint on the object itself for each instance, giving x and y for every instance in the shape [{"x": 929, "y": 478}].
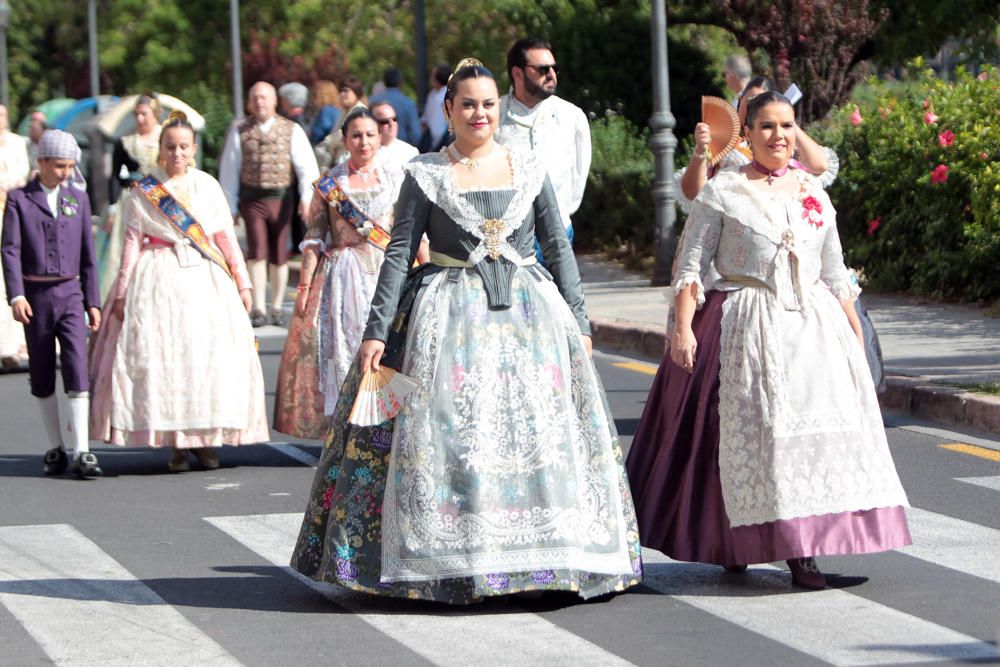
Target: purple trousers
[{"x": 57, "y": 314}]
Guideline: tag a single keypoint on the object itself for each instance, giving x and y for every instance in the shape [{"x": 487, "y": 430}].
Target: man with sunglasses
[
  {"x": 394, "y": 152},
  {"x": 557, "y": 130}
]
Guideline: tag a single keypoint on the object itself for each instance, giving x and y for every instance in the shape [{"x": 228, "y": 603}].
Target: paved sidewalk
[{"x": 927, "y": 347}]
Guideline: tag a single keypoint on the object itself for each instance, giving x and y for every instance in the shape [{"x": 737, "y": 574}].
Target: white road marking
[
  {"x": 986, "y": 482},
  {"x": 457, "y": 637},
  {"x": 953, "y": 543},
  {"x": 84, "y": 608},
  {"x": 294, "y": 452},
  {"x": 952, "y": 436},
  {"x": 831, "y": 625}
]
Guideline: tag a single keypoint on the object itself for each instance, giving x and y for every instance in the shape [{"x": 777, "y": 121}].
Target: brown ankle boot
[
  {"x": 207, "y": 457},
  {"x": 179, "y": 461}
]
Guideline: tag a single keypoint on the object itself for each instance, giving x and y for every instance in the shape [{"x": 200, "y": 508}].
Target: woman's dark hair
[
  {"x": 762, "y": 82},
  {"x": 762, "y": 100},
  {"x": 356, "y": 113},
  {"x": 473, "y": 70},
  {"x": 353, "y": 83}
]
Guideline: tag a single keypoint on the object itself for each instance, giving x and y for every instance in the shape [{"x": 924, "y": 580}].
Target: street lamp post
[
  {"x": 237, "y": 56},
  {"x": 663, "y": 142},
  {"x": 421, "y": 48},
  {"x": 4, "y": 24},
  {"x": 95, "y": 86}
]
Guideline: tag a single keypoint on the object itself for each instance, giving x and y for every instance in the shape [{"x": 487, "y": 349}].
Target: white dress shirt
[
  {"x": 559, "y": 133},
  {"x": 303, "y": 161},
  {"x": 434, "y": 117},
  {"x": 394, "y": 156}
]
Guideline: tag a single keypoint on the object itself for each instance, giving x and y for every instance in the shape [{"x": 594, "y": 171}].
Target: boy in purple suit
[{"x": 48, "y": 266}]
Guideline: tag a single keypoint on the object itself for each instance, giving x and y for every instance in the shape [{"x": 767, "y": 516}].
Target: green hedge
[
  {"x": 617, "y": 208},
  {"x": 908, "y": 227}
]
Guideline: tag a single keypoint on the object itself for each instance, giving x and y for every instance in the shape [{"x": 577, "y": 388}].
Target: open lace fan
[
  {"x": 380, "y": 397},
  {"x": 720, "y": 115}
]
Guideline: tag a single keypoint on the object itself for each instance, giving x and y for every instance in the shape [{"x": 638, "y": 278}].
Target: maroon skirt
[{"x": 673, "y": 469}]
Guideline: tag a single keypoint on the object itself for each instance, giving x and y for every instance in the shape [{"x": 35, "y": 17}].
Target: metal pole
[
  {"x": 421, "y": 46},
  {"x": 237, "y": 57},
  {"x": 4, "y": 87},
  {"x": 95, "y": 85},
  {"x": 663, "y": 142}
]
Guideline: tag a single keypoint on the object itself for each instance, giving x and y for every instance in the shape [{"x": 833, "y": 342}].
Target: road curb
[{"x": 916, "y": 396}]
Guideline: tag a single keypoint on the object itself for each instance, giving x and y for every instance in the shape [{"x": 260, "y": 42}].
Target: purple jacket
[{"x": 35, "y": 243}]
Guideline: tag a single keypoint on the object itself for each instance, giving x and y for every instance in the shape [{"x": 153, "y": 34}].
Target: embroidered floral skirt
[
  {"x": 298, "y": 400},
  {"x": 674, "y": 468},
  {"x": 502, "y": 473}
]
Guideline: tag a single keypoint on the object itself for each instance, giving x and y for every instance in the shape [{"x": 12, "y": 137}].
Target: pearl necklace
[
  {"x": 363, "y": 174},
  {"x": 472, "y": 163}
]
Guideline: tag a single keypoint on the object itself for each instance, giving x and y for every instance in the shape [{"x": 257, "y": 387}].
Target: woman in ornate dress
[
  {"x": 339, "y": 270},
  {"x": 133, "y": 157},
  {"x": 762, "y": 438},
  {"x": 176, "y": 365},
  {"x": 502, "y": 473},
  {"x": 14, "y": 170}
]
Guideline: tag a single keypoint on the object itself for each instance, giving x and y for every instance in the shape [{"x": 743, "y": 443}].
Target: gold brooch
[{"x": 492, "y": 230}]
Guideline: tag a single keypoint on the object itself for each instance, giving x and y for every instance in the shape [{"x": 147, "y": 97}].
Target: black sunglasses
[
  {"x": 544, "y": 69},
  {"x": 386, "y": 121}
]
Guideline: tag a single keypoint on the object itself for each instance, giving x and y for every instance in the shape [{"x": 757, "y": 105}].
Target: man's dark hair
[
  {"x": 392, "y": 78},
  {"x": 518, "y": 54},
  {"x": 441, "y": 73}
]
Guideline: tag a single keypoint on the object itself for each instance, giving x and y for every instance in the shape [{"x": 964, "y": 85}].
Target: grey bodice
[{"x": 416, "y": 215}]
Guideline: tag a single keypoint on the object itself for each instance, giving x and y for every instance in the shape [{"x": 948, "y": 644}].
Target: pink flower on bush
[
  {"x": 946, "y": 138},
  {"x": 856, "y": 118},
  {"x": 873, "y": 225},
  {"x": 927, "y": 103},
  {"x": 984, "y": 156},
  {"x": 930, "y": 118},
  {"x": 940, "y": 174},
  {"x": 983, "y": 76}
]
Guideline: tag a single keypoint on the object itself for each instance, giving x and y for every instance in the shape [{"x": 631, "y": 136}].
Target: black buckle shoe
[
  {"x": 55, "y": 462},
  {"x": 86, "y": 466},
  {"x": 257, "y": 319},
  {"x": 277, "y": 318}
]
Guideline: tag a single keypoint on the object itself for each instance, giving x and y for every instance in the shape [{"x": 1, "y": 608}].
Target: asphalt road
[{"x": 144, "y": 567}]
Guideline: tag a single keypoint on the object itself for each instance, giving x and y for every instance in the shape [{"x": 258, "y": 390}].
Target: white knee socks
[
  {"x": 49, "y": 407},
  {"x": 258, "y": 279},
  {"x": 279, "y": 281},
  {"x": 79, "y": 421}
]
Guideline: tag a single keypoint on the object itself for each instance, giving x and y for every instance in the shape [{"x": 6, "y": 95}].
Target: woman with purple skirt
[{"x": 762, "y": 438}]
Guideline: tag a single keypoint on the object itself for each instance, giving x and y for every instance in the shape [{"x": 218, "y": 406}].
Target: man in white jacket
[{"x": 533, "y": 115}]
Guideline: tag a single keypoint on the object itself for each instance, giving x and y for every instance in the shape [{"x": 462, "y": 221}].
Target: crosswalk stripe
[
  {"x": 953, "y": 543},
  {"x": 84, "y": 608},
  {"x": 831, "y": 625},
  {"x": 456, "y": 637},
  {"x": 992, "y": 482}
]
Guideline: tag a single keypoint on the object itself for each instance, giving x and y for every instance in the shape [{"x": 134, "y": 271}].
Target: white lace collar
[
  {"x": 383, "y": 195},
  {"x": 434, "y": 174},
  {"x": 730, "y": 193}
]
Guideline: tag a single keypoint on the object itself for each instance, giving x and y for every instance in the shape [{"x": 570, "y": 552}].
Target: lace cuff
[
  {"x": 846, "y": 289},
  {"x": 685, "y": 280},
  {"x": 681, "y": 198},
  {"x": 319, "y": 243},
  {"x": 827, "y": 178}
]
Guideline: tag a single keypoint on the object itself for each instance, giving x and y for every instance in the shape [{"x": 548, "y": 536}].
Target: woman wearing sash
[
  {"x": 341, "y": 256},
  {"x": 134, "y": 157},
  {"x": 502, "y": 472},
  {"x": 177, "y": 365},
  {"x": 762, "y": 438}
]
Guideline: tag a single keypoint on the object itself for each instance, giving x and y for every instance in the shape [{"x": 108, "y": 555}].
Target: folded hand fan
[
  {"x": 721, "y": 116},
  {"x": 380, "y": 397}
]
